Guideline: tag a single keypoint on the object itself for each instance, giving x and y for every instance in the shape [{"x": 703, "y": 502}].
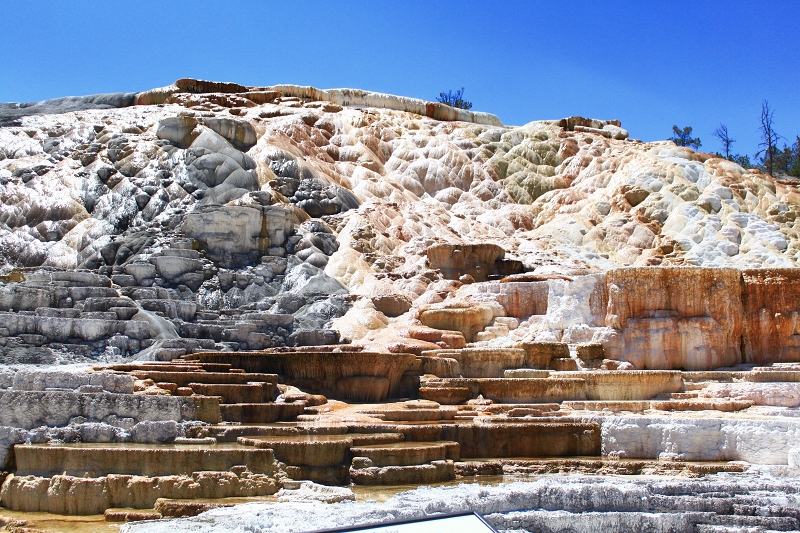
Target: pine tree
[
  {"x": 454, "y": 99},
  {"x": 683, "y": 137}
]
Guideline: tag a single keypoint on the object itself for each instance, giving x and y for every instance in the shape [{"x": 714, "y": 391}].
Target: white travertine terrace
[{"x": 358, "y": 97}]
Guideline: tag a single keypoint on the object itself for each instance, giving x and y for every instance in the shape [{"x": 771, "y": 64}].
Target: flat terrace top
[{"x": 123, "y": 446}]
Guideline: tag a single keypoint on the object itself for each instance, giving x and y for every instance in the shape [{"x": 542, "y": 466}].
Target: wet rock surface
[{"x": 721, "y": 503}]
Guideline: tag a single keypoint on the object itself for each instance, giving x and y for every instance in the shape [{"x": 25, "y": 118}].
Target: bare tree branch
[
  {"x": 721, "y": 133},
  {"x": 769, "y": 138}
]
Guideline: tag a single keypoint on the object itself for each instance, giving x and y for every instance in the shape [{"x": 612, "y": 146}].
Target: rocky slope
[{"x": 204, "y": 207}]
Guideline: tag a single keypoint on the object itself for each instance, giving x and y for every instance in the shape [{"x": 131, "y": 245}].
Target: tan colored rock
[
  {"x": 240, "y": 133},
  {"x": 435, "y": 472},
  {"x": 95, "y": 460},
  {"x": 261, "y": 413},
  {"x": 588, "y": 351},
  {"x": 414, "y": 346},
  {"x": 304, "y": 450},
  {"x": 445, "y": 395},
  {"x": 518, "y": 390},
  {"x": 261, "y": 97},
  {"x": 540, "y": 354},
  {"x": 439, "y": 365},
  {"x": 533, "y": 390},
  {"x": 178, "y": 130},
  {"x": 404, "y": 453},
  {"x": 469, "y": 320},
  {"x": 321, "y": 372},
  {"x": 771, "y": 301},
  {"x": 392, "y": 305},
  {"x": 178, "y": 509},
  {"x": 635, "y": 406},
  {"x": 156, "y": 96},
  {"x": 62, "y": 494},
  {"x": 450, "y": 338},
  {"x": 627, "y": 385},
  {"x": 117, "y": 515},
  {"x": 564, "y": 364},
  {"x": 362, "y": 388},
  {"x": 519, "y": 299},
  {"x": 229, "y": 234},
  {"x": 528, "y": 439},
  {"x": 486, "y": 362},
  {"x": 476, "y": 260},
  {"x": 670, "y": 318}
]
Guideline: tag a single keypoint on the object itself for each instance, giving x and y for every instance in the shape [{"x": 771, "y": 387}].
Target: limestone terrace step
[
  {"x": 434, "y": 472},
  {"x": 445, "y": 395},
  {"x": 405, "y": 453},
  {"x": 172, "y": 366},
  {"x": 772, "y": 375},
  {"x": 519, "y": 390},
  {"x": 377, "y": 439},
  {"x": 505, "y": 408},
  {"x": 229, "y": 433},
  {"x": 615, "y": 406},
  {"x": 305, "y": 450},
  {"x": 711, "y": 404},
  {"x": 93, "y": 460},
  {"x": 506, "y": 437},
  {"x": 260, "y": 413},
  {"x": 414, "y": 415},
  {"x": 346, "y": 375},
  {"x": 714, "y": 375},
  {"x": 569, "y": 386},
  {"x": 626, "y": 384},
  {"x": 236, "y": 392},
  {"x": 183, "y": 379}
]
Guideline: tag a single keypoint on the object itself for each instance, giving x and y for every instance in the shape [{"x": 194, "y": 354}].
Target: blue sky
[{"x": 649, "y": 64}]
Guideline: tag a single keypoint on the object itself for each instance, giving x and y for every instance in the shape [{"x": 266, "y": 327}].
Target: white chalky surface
[{"x": 581, "y": 503}]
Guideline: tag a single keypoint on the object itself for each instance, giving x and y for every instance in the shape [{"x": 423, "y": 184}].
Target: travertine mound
[
  {"x": 203, "y": 201},
  {"x": 488, "y": 299}
]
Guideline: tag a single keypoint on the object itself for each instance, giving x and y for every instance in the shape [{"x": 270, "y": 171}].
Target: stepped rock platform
[
  {"x": 273, "y": 431},
  {"x": 270, "y": 431}
]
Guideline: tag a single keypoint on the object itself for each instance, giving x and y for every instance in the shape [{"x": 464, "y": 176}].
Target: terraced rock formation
[{"x": 249, "y": 287}]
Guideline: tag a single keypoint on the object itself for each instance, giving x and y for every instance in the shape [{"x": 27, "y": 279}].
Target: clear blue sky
[{"x": 649, "y": 64}]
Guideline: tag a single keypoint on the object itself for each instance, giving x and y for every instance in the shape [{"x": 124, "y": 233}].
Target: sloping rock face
[
  {"x": 204, "y": 207},
  {"x": 238, "y": 235}
]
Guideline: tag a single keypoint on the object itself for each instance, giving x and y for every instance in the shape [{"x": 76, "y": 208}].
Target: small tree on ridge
[
  {"x": 454, "y": 99},
  {"x": 683, "y": 137},
  {"x": 769, "y": 138},
  {"x": 721, "y": 133}
]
